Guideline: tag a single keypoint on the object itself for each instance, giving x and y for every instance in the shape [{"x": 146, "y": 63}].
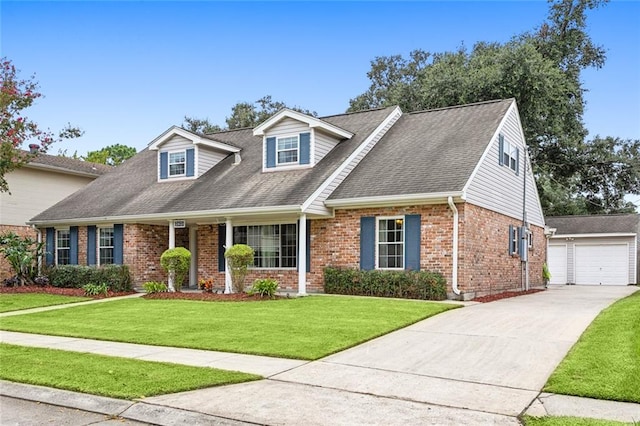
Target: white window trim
[
  {"x": 256, "y": 268},
  {"x": 288, "y": 163},
  {"x": 56, "y": 244},
  {"x": 176, "y": 151},
  {"x": 404, "y": 237},
  {"x": 98, "y": 246}
]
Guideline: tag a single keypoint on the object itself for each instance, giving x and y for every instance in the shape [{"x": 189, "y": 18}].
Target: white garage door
[
  {"x": 606, "y": 264},
  {"x": 558, "y": 264}
]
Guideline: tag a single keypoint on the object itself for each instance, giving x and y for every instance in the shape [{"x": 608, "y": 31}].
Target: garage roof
[{"x": 594, "y": 224}]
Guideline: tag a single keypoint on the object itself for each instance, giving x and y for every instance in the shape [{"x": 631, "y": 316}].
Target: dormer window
[
  {"x": 288, "y": 150},
  {"x": 177, "y": 163},
  {"x": 293, "y": 140}
]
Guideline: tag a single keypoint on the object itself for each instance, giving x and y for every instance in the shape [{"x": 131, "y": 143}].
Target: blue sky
[{"x": 126, "y": 71}]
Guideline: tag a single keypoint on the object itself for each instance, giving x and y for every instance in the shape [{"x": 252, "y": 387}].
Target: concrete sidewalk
[{"x": 483, "y": 364}]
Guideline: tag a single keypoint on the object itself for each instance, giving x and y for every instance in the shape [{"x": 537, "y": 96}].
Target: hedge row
[
  {"x": 401, "y": 284},
  {"x": 116, "y": 277}
]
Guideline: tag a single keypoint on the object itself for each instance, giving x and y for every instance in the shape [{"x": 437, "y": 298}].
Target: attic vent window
[
  {"x": 287, "y": 150},
  {"x": 177, "y": 163}
]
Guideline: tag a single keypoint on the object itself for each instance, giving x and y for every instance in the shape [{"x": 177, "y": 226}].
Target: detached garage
[{"x": 594, "y": 250}]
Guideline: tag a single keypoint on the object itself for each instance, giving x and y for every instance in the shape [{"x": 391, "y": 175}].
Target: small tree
[
  {"x": 239, "y": 257},
  {"x": 22, "y": 253},
  {"x": 176, "y": 262}
]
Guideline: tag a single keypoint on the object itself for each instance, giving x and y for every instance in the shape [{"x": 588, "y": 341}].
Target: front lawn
[
  {"x": 568, "y": 421},
  {"x": 107, "y": 376},
  {"x": 304, "y": 328},
  {"x": 19, "y": 301},
  {"x": 605, "y": 362}
]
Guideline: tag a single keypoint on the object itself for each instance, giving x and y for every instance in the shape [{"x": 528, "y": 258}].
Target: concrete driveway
[{"x": 482, "y": 364}]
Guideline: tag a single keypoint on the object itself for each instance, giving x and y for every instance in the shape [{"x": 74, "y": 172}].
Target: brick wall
[
  {"x": 484, "y": 263},
  {"x": 22, "y": 231}
]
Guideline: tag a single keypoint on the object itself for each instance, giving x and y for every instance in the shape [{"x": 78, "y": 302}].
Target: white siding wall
[
  {"x": 497, "y": 187},
  {"x": 323, "y": 144},
  {"x": 317, "y": 205},
  {"x": 571, "y": 256},
  {"x": 206, "y": 158},
  {"x": 176, "y": 143},
  {"x": 33, "y": 191}
]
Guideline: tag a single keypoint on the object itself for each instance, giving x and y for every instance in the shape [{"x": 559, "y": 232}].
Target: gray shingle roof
[
  {"x": 594, "y": 224},
  {"x": 426, "y": 152},
  {"x": 69, "y": 164},
  {"x": 132, "y": 189}
]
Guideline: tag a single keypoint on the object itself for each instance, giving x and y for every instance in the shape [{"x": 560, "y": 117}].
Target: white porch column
[
  {"x": 172, "y": 235},
  {"x": 302, "y": 255},
  {"x": 193, "y": 248},
  {"x": 227, "y": 271},
  {"x": 172, "y": 244}
]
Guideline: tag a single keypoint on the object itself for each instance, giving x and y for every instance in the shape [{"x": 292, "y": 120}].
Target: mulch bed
[
  {"x": 209, "y": 297},
  {"x": 505, "y": 295},
  {"x": 60, "y": 291}
]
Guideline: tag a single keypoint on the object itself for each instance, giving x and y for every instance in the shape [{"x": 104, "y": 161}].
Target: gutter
[
  {"x": 394, "y": 200},
  {"x": 220, "y": 213},
  {"x": 454, "y": 272}
]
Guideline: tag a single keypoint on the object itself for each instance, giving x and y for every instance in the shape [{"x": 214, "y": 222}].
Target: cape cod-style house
[{"x": 447, "y": 190}]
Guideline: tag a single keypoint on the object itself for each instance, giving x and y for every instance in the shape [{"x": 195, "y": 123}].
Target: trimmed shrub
[
  {"x": 176, "y": 262},
  {"x": 116, "y": 277},
  {"x": 424, "y": 285},
  {"x": 154, "y": 287},
  {"x": 264, "y": 287},
  {"x": 239, "y": 257}
]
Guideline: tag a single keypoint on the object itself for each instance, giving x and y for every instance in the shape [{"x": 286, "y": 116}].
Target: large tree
[
  {"x": 16, "y": 95},
  {"x": 243, "y": 114},
  {"x": 541, "y": 70},
  {"x": 112, "y": 155}
]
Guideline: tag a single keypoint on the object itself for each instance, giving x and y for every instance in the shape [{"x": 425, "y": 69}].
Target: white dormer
[
  {"x": 186, "y": 155},
  {"x": 292, "y": 140}
]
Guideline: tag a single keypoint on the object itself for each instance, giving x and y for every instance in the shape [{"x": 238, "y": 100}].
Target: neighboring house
[
  {"x": 594, "y": 250},
  {"x": 440, "y": 190},
  {"x": 38, "y": 185}
]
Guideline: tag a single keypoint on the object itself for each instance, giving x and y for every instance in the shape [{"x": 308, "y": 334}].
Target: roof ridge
[
  {"x": 319, "y": 118},
  {"x": 356, "y": 112},
  {"x": 493, "y": 101},
  {"x": 598, "y": 215}
]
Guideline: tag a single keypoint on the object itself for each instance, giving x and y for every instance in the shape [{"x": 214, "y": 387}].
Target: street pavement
[{"x": 483, "y": 364}]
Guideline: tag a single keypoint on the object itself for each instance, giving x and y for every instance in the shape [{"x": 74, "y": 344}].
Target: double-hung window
[
  {"x": 510, "y": 156},
  {"x": 275, "y": 246},
  {"x": 288, "y": 150},
  {"x": 105, "y": 246},
  {"x": 513, "y": 240},
  {"x": 177, "y": 163},
  {"x": 390, "y": 244},
  {"x": 63, "y": 247}
]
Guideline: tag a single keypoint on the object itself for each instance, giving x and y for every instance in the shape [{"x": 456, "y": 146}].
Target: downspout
[{"x": 454, "y": 272}]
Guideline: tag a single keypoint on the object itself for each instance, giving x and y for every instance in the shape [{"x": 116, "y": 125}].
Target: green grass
[
  {"x": 105, "y": 375},
  {"x": 19, "y": 301},
  {"x": 605, "y": 362},
  {"x": 568, "y": 421},
  {"x": 303, "y": 328}
]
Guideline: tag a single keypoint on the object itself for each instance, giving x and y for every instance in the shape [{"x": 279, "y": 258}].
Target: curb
[{"x": 130, "y": 410}]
